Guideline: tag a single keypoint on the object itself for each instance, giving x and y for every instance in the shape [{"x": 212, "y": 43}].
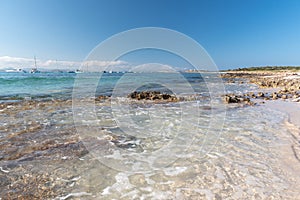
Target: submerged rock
[
  {"x": 152, "y": 95},
  {"x": 102, "y": 98},
  {"x": 232, "y": 98}
]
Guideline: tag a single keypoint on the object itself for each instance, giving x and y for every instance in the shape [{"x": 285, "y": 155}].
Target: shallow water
[
  {"x": 47, "y": 85},
  {"x": 125, "y": 149},
  {"x": 243, "y": 164}
]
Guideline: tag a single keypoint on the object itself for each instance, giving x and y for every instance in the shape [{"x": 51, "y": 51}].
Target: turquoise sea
[{"x": 60, "y": 84}]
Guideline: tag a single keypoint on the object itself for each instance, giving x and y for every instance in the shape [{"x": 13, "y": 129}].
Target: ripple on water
[{"x": 244, "y": 163}]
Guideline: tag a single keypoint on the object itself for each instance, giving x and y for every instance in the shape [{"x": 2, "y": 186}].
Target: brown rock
[
  {"x": 152, "y": 95},
  {"x": 260, "y": 94},
  {"x": 101, "y": 98},
  {"x": 231, "y": 99}
]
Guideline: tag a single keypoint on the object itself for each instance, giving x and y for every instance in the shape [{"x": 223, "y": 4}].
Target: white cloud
[
  {"x": 89, "y": 65},
  {"x": 92, "y": 65},
  {"x": 14, "y": 62},
  {"x": 154, "y": 67},
  {"x": 14, "y": 59}
]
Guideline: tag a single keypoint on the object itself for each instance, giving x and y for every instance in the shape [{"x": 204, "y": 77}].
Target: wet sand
[
  {"x": 291, "y": 108},
  {"x": 289, "y": 152}
]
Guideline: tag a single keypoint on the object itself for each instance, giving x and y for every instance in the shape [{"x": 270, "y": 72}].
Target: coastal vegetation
[{"x": 267, "y": 68}]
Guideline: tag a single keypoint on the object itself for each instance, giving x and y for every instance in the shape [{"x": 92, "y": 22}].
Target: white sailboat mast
[{"x": 35, "y": 62}]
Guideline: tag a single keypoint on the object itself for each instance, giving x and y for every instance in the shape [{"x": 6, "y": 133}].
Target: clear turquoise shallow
[
  {"x": 20, "y": 85},
  {"x": 17, "y": 86}
]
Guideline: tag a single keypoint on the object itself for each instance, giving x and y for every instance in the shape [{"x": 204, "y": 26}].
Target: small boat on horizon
[
  {"x": 19, "y": 70},
  {"x": 78, "y": 71},
  {"x": 34, "y": 70}
]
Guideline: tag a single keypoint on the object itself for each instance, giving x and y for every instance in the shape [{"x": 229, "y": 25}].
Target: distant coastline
[{"x": 266, "y": 68}]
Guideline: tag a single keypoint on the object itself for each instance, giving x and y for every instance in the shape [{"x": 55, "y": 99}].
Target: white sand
[
  {"x": 291, "y": 108},
  {"x": 289, "y": 153}
]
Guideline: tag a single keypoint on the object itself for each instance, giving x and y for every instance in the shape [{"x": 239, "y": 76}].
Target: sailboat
[{"x": 34, "y": 70}]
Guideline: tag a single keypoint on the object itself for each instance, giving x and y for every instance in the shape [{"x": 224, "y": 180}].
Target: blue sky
[{"x": 236, "y": 33}]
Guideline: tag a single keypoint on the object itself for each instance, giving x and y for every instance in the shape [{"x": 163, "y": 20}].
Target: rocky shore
[
  {"x": 285, "y": 85},
  {"x": 149, "y": 96}
]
